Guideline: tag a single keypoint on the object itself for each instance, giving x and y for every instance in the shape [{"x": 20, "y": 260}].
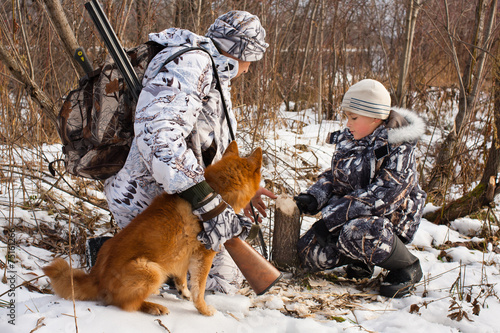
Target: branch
[
  {"x": 63, "y": 30},
  {"x": 46, "y": 176},
  {"x": 32, "y": 88}
]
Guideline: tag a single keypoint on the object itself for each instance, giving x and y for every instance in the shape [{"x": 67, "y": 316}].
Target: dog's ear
[
  {"x": 256, "y": 159},
  {"x": 232, "y": 149}
]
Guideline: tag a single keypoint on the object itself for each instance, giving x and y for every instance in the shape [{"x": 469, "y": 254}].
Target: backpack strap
[{"x": 218, "y": 86}]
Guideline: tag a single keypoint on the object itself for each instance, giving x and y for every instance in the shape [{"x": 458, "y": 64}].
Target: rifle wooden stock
[{"x": 260, "y": 273}]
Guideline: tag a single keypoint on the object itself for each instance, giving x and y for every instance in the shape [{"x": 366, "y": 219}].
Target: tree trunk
[
  {"x": 64, "y": 30},
  {"x": 286, "y": 233},
  {"x": 335, "y": 51},
  {"x": 306, "y": 51},
  {"x": 464, "y": 206},
  {"x": 320, "y": 65},
  {"x": 483, "y": 193},
  {"x": 411, "y": 20},
  {"x": 492, "y": 165},
  {"x": 469, "y": 84}
]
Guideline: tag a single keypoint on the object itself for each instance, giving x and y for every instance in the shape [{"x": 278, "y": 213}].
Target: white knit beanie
[
  {"x": 240, "y": 34},
  {"x": 368, "y": 98}
]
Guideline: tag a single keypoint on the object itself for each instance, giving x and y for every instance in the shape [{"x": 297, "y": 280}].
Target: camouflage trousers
[{"x": 368, "y": 239}]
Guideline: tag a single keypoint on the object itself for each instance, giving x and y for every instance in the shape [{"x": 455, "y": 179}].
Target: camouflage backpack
[{"x": 96, "y": 119}]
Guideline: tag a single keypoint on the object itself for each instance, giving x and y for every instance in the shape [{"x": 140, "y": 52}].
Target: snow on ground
[{"x": 459, "y": 292}]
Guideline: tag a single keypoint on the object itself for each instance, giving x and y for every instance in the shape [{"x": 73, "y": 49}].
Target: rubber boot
[
  {"x": 359, "y": 270},
  {"x": 355, "y": 269},
  {"x": 404, "y": 271}
]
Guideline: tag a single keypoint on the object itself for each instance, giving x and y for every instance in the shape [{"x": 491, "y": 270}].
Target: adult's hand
[
  {"x": 220, "y": 223},
  {"x": 258, "y": 203}
]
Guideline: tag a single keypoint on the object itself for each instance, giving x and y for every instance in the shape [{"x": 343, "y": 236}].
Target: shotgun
[
  {"x": 114, "y": 47},
  {"x": 260, "y": 273}
]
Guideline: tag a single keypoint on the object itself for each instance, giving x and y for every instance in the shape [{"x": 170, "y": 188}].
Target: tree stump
[{"x": 286, "y": 233}]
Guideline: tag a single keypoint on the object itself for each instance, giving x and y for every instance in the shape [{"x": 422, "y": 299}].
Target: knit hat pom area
[
  {"x": 368, "y": 98},
  {"x": 240, "y": 34}
]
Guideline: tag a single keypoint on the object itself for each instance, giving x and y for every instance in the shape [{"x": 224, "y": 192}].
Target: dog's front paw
[{"x": 207, "y": 310}]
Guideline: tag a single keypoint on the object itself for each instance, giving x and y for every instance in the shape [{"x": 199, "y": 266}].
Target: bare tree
[
  {"x": 22, "y": 67},
  {"x": 10, "y": 59},
  {"x": 320, "y": 61},
  {"x": 470, "y": 82},
  {"x": 412, "y": 9},
  {"x": 64, "y": 30}
]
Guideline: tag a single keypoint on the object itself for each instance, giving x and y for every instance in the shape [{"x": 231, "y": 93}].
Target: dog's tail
[{"x": 84, "y": 285}]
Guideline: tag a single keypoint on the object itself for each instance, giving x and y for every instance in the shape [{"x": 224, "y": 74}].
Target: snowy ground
[{"x": 459, "y": 292}]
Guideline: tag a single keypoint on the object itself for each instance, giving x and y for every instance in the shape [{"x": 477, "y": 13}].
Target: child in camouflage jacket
[{"x": 370, "y": 200}]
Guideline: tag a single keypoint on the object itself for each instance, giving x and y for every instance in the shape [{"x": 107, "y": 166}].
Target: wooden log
[{"x": 286, "y": 233}]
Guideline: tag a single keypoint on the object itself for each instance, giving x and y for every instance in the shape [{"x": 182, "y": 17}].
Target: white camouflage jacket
[{"x": 180, "y": 126}]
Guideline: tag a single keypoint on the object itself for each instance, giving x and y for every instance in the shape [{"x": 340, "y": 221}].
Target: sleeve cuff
[{"x": 195, "y": 194}]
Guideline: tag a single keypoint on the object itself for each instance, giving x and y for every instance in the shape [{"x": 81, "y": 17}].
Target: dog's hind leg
[
  {"x": 200, "y": 264},
  {"x": 153, "y": 308},
  {"x": 136, "y": 282}
]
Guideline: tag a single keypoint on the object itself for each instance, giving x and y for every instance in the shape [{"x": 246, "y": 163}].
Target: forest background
[{"x": 439, "y": 58}]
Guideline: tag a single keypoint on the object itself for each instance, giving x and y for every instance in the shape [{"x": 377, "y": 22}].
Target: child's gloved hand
[
  {"x": 321, "y": 232},
  {"x": 306, "y": 203}
]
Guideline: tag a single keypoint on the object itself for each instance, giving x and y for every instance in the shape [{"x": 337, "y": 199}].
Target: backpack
[{"x": 96, "y": 120}]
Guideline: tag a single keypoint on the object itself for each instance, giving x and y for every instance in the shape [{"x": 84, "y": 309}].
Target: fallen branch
[
  {"x": 39, "y": 323},
  {"x": 161, "y": 324}
]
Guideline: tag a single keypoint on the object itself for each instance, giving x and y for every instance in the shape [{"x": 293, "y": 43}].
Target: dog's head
[{"x": 236, "y": 178}]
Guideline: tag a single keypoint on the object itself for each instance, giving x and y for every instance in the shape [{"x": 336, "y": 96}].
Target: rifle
[{"x": 260, "y": 273}]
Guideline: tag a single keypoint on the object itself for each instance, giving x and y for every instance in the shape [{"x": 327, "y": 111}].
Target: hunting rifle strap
[{"x": 217, "y": 81}]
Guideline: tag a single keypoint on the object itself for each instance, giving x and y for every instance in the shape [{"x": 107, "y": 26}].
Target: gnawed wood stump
[{"x": 286, "y": 233}]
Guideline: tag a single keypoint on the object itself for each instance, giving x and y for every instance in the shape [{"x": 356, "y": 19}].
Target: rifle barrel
[{"x": 115, "y": 49}]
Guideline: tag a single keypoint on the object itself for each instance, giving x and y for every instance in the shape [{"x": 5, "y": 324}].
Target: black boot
[
  {"x": 404, "y": 271},
  {"x": 359, "y": 270},
  {"x": 93, "y": 246},
  {"x": 355, "y": 269}
]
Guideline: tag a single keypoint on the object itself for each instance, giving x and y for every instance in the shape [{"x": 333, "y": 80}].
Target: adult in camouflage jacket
[
  {"x": 180, "y": 128},
  {"x": 370, "y": 201}
]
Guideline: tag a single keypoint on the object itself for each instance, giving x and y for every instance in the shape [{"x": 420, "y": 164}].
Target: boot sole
[{"x": 401, "y": 289}]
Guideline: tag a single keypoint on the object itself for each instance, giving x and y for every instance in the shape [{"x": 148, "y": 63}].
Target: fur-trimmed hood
[{"x": 404, "y": 125}]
